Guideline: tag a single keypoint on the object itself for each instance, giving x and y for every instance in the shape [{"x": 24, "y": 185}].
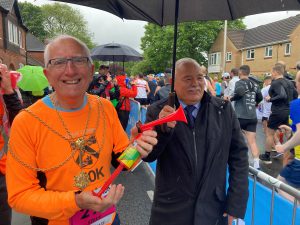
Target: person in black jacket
[
  {"x": 192, "y": 159},
  {"x": 12, "y": 106},
  {"x": 281, "y": 92}
]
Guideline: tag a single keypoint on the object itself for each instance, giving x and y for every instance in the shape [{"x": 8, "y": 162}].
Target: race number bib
[{"x": 90, "y": 217}]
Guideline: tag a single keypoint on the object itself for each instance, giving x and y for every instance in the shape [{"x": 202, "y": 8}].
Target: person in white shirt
[
  {"x": 234, "y": 74},
  {"x": 142, "y": 90},
  {"x": 224, "y": 85},
  {"x": 266, "y": 106}
]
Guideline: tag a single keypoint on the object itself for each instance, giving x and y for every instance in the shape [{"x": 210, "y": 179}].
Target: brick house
[
  {"x": 12, "y": 35},
  {"x": 35, "y": 50},
  {"x": 259, "y": 47},
  {"x": 14, "y": 51}
]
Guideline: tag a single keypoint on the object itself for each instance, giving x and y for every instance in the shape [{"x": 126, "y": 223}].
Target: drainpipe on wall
[
  {"x": 242, "y": 57},
  {"x": 224, "y": 46},
  {"x": 277, "y": 53}
]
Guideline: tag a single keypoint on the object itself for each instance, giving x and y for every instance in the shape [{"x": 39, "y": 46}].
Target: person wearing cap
[
  {"x": 161, "y": 80},
  {"x": 224, "y": 84}
]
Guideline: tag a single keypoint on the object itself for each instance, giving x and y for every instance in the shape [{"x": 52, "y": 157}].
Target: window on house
[
  {"x": 250, "y": 54},
  {"x": 288, "y": 47},
  {"x": 14, "y": 34},
  {"x": 228, "y": 56},
  {"x": 10, "y": 32},
  {"x": 214, "y": 58},
  {"x": 268, "y": 51},
  {"x": 20, "y": 39}
]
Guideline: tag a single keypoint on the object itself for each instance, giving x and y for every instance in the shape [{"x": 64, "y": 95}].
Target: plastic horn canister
[{"x": 129, "y": 157}]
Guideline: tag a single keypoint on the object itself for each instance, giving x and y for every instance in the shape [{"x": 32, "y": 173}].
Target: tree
[
  {"x": 194, "y": 41},
  {"x": 63, "y": 19},
  {"x": 50, "y": 20},
  {"x": 33, "y": 19}
]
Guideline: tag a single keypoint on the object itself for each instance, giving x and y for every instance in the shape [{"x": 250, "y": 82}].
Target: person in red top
[{"x": 125, "y": 94}]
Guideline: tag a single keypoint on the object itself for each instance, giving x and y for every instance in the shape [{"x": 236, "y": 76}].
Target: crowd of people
[{"x": 61, "y": 147}]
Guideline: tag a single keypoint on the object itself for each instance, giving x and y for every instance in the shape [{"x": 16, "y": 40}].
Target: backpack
[{"x": 290, "y": 90}]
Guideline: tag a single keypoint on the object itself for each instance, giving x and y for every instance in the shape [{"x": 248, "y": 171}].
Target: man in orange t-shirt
[{"x": 61, "y": 147}]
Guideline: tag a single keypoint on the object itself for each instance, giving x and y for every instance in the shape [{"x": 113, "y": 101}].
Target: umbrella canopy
[
  {"x": 33, "y": 79},
  {"x": 115, "y": 52},
  {"x": 162, "y": 12},
  {"x": 167, "y": 12}
]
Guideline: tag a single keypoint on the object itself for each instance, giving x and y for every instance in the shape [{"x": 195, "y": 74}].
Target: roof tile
[
  {"x": 7, "y": 4},
  {"x": 275, "y": 32}
]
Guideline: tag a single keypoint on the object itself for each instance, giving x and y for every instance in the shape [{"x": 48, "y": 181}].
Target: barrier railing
[
  {"x": 263, "y": 200},
  {"x": 265, "y": 206}
]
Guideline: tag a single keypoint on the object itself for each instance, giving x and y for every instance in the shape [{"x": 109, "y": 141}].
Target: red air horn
[{"x": 130, "y": 156}]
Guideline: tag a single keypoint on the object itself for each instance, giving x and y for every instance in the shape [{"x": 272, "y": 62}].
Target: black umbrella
[
  {"x": 166, "y": 12},
  {"x": 115, "y": 52},
  {"x": 162, "y": 12}
]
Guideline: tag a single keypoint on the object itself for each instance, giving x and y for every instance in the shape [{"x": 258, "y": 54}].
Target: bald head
[
  {"x": 181, "y": 63},
  {"x": 64, "y": 38},
  {"x": 189, "y": 81}
]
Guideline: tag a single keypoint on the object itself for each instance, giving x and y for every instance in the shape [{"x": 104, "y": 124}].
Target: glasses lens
[
  {"x": 79, "y": 61},
  {"x": 60, "y": 63}
]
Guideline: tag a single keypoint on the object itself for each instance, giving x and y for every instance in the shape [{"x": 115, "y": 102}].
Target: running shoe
[{"x": 265, "y": 158}]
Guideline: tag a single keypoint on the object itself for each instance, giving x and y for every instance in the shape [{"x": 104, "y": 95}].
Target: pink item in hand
[{"x": 14, "y": 78}]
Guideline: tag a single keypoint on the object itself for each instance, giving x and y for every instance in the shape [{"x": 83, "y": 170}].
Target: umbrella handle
[{"x": 171, "y": 99}]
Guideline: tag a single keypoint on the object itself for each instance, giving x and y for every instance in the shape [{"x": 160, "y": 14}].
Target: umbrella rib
[
  {"x": 229, "y": 6},
  {"x": 141, "y": 12},
  {"x": 162, "y": 10}
]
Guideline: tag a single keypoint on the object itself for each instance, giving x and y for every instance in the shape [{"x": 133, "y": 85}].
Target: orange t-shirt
[{"x": 38, "y": 146}]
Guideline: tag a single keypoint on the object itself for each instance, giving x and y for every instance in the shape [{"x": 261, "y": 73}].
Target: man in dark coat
[{"x": 192, "y": 158}]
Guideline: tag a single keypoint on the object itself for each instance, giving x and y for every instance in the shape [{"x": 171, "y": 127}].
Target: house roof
[
  {"x": 7, "y": 4},
  {"x": 276, "y": 32},
  {"x": 237, "y": 37},
  {"x": 33, "y": 44}
]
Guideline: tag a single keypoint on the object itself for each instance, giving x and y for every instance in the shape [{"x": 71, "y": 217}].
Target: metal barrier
[{"x": 275, "y": 185}]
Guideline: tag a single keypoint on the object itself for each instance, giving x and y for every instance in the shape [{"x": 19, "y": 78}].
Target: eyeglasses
[{"x": 61, "y": 63}]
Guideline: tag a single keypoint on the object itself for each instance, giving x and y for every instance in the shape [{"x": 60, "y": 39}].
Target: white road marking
[{"x": 150, "y": 195}]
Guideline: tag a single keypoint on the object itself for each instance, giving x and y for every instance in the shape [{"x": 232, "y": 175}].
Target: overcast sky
[{"x": 108, "y": 28}]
